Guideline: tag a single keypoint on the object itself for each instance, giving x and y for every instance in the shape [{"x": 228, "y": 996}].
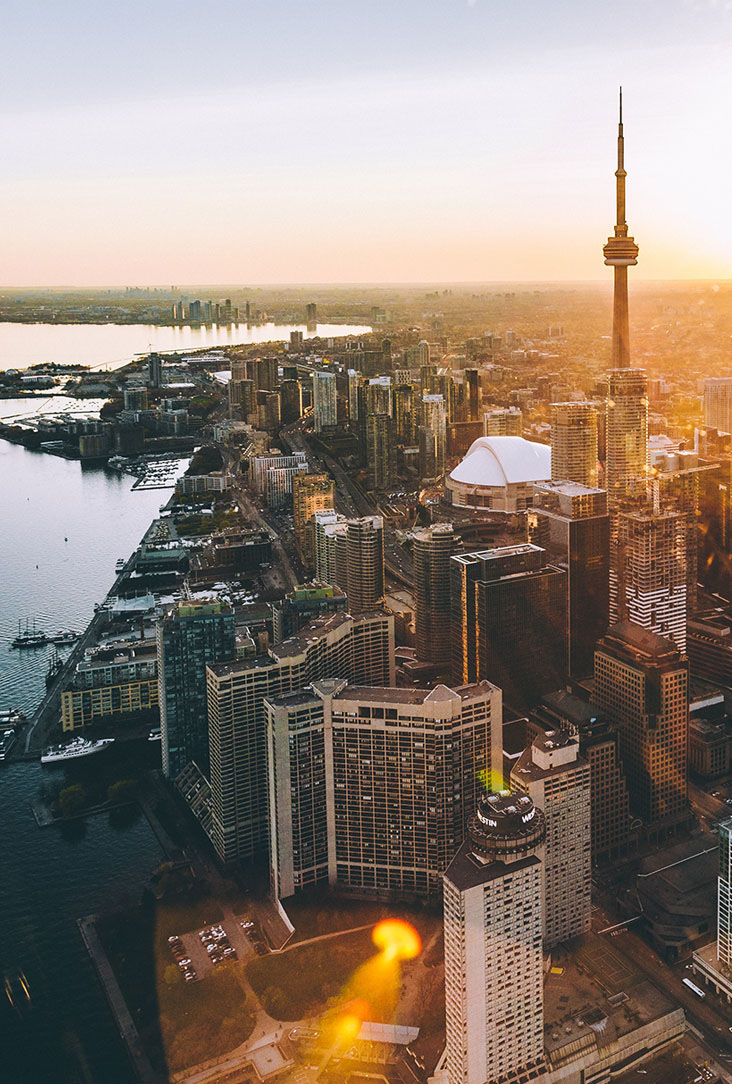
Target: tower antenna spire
[{"x": 621, "y": 252}]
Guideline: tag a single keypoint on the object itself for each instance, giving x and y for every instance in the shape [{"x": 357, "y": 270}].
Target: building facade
[
  {"x": 370, "y": 788},
  {"x": 557, "y": 779},
  {"x": 189, "y": 636},
  {"x": 433, "y": 548},
  {"x": 359, "y": 649},
  {"x": 574, "y": 443},
  {"x": 626, "y": 465},
  {"x": 494, "y": 995}
]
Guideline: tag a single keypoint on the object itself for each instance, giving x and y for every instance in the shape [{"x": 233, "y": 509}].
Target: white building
[
  {"x": 557, "y": 779},
  {"x": 499, "y": 473},
  {"x": 325, "y": 410},
  {"x": 494, "y": 998},
  {"x": 279, "y": 484},
  {"x": 260, "y": 464}
]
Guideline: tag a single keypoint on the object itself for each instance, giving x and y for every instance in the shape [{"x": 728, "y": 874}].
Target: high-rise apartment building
[
  {"x": 190, "y": 635},
  {"x": 626, "y": 465},
  {"x": 494, "y": 995},
  {"x": 503, "y": 422},
  {"x": 405, "y": 426},
  {"x": 155, "y": 370},
  {"x": 364, "y": 563},
  {"x": 290, "y": 401},
  {"x": 279, "y": 482},
  {"x": 641, "y": 685},
  {"x": 380, "y": 451},
  {"x": 574, "y": 443},
  {"x": 557, "y": 779},
  {"x": 303, "y": 605},
  {"x": 509, "y": 621},
  {"x": 433, "y": 548},
  {"x": 610, "y": 820},
  {"x": 718, "y": 403},
  {"x": 311, "y": 493},
  {"x": 471, "y": 378},
  {"x": 329, "y": 544},
  {"x": 370, "y": 788},
  {"x": 433, "y": 437},
  {"x": 571, "y": 522},
  {"x": 648, "y": 572},
  {"x": 354, "y": 384},
  {"x": 325, "y": 409},
  {"x": 358, "y": 649},
  {"x": 262, "y": 464}
]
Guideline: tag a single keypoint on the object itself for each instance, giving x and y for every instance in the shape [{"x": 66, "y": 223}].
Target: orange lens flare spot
[{"x": 398, "y": 940}]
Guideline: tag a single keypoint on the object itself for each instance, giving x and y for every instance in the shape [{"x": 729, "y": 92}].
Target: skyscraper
[
  {"x": 189, "y": 636},
  {"x": 494, "y": 993},
  {"x": 641, "y": 684},
  {"x": 291, "y": 401},
  {"x": 325, "y": 412},
  {"x": 370, "y": 788},
  {"x": 648, "y": 572},
  {"x": 573, "y": 526},
  {"x": 358, "y": 649},
  {"x": 718, "y": 403},
  {"x": 380, "y": 451},
  {"x": 509, "y": 621},
  {"x": 557, "y": 779},
  {"x": 724, "y": 893},
  {"x": 574, "y": 443},
  {"x": 626, "y": 465},
  {"x": 621, "y": 252},
  {"x": 155, "y": 370},
  {"x": 311, "y": 493},
  {"x": 364, "y": 563},
  {"x": 433, "y": 548},
  {"x": 432, "y": 437}
]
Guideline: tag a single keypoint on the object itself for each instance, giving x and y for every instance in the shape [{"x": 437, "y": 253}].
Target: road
[
  {"x": 351, "y": 502},
  {"x": 711, "y": 1017}
]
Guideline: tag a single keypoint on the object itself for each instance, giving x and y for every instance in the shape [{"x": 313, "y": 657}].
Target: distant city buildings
[{"x": 718, "y": 403}]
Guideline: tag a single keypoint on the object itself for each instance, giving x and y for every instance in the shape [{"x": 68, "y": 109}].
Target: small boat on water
[
  {"x": 155, "y": 734},
  {"x": 77, "y": 747},
  {"x": 61, "y": 637}
]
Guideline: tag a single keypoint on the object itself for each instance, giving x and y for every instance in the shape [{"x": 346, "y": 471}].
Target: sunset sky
[{"x": 263, "y": 141}]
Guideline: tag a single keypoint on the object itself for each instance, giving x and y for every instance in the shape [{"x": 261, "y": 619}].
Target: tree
[{"x": 72, "y": 800}]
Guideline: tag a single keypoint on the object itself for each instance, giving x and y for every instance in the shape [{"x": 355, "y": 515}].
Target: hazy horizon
[{"x": 432, "y": 141}]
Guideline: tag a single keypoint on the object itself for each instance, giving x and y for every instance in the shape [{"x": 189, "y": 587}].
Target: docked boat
[
  {"x": 155, "y": 735},
  {"x": 77, "y": 747},
  {"x": 61, "y": 637},
  {"x": 7, "y": 741},
  {"x": 29, "y": 639}
]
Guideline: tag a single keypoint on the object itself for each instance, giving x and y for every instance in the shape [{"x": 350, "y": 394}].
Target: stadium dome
[{"x": 499, "y": 473}]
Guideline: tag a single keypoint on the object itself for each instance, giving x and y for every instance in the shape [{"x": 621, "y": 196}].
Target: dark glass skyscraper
[{"x": 189, "y": 636}]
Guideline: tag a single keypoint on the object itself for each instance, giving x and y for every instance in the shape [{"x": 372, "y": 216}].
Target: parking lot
[{"x": 198, "y": 952}]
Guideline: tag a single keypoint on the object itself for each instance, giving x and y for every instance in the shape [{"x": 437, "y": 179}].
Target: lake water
[
  {"x": 109, "y": 346},
  {"x": 62, "y": 529}
]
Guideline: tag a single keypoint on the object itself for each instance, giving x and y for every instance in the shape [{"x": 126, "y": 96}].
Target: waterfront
[
  {"x": 110, "y": 346},
  {"x": 52, "y": 876}
]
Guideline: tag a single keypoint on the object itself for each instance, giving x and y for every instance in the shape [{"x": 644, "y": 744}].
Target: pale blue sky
[{"x": 252, "y": 141}]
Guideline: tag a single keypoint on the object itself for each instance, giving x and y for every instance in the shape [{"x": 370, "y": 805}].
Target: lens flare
[{"x": 398, "y": 940}]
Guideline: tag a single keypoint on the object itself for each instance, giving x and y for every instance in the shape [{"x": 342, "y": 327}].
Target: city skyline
[{"x": 137, "y": 155}]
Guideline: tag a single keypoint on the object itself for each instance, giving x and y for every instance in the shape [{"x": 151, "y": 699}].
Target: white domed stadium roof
[{"x": 500, "y": 461}]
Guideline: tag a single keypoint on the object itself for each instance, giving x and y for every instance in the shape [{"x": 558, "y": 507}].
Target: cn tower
[{"x": 621, "y": 252}]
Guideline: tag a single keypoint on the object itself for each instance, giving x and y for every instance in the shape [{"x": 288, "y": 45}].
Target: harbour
[{"x": 51, "y": 877}]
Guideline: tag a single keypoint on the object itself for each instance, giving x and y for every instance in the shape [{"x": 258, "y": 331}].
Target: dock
[{"x": 125, "y": 1024}]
